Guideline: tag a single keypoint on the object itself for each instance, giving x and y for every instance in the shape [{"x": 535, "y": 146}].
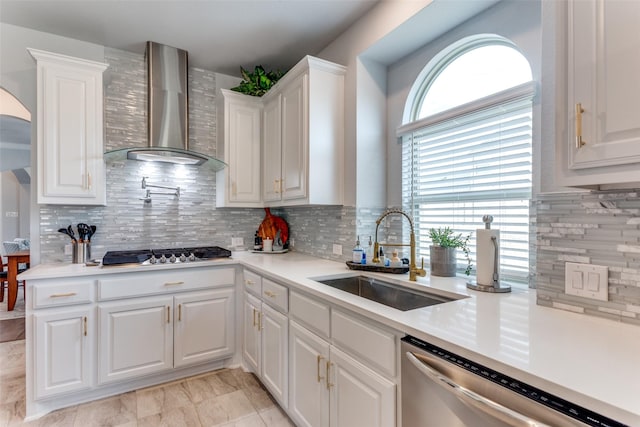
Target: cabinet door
[
  {"x": 272, "y": 156},
  {"x": 203, "y": 326},
  {"x": 359, "y": 396},
  {"x": 251, "y": 336},
  {"x": 308, "y": 394},
  {"x": 242, "y": 149},
  {"x": 70, "y": 162},
  {"x": 64, "y": 342},
  {"x": 603, "y": 77},
  {"x": 275, "y": 342},
  {"x": 295, "y": 133},
  {"x": 136, "y": 338}
]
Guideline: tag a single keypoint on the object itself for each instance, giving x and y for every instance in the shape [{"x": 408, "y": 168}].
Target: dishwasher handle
[{"x": 471, "y": 398}]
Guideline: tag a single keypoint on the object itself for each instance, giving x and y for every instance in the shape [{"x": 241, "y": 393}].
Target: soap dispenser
[{"x": 357, "y": 252}]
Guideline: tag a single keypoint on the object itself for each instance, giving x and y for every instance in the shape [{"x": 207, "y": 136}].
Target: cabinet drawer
[
  {"x": 371, "y": 345},
  {"x": 312, "y": 313},
  {"x": 63, "y": 292},
  {"x": 253, "y": 282},
  {"x": 140, "y": 284},
  {"x": 275, "y": 295}
]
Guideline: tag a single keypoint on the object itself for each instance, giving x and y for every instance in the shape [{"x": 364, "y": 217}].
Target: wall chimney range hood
[{"x": 168, "y": 112}]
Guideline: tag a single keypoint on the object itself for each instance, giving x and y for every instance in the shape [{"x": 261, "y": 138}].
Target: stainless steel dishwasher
[{"x": 442, "y": 389}]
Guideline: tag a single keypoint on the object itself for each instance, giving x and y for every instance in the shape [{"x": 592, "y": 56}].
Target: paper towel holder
[{"x": 495, "y": 286}]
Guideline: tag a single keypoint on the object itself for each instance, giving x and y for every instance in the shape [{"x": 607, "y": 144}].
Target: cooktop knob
[
  {"x": 163, "y": 259},
  {"x": 183, "y": 258},
  {"x": 192, "y": 257},
  {"x": 153, "y": 259},
  {"x": 172, "y": 258}
]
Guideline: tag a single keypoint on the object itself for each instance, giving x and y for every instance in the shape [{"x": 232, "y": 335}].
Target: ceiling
[{"x": 220, "y": 35}]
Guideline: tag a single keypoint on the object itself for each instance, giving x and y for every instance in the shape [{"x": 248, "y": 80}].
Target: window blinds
[{"x": 457, "y": 170}]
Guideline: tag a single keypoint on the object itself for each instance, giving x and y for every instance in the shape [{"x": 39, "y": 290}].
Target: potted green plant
[
  {"x": 258, "y": 82},
  {"x": 443, "y": 251}
]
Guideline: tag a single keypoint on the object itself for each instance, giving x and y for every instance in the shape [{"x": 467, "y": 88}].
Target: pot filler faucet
[{"x": 413, "y": 269}]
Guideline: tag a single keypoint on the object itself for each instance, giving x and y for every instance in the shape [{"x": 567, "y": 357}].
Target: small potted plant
[
  {"x": 258, "y": 82},
  {"x": 443, "y": 251}
]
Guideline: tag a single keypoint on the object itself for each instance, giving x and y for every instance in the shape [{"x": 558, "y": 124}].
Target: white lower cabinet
[
  {"x": 265, "y": 346},
  {"x": 203, "y": 329},
  {"x": 136, "y": 338},
  {"x": 64, "y": 342},
  {"x": 146, "y": 335},
  {"x": 330, "y": 388}
]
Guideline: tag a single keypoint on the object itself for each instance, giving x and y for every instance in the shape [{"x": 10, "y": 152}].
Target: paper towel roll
[{"x": 485, "y": 254}]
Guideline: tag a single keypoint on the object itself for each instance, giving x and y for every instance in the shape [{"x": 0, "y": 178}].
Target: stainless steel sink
[{"x": 385, "y": 293}]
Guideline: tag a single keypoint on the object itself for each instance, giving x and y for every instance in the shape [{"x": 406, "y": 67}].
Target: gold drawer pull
[
  {"x": 249, "y": 282},
  {"x": 579, "y": 111},
  {"x": 179, "y": 312},
  {"x": 329, "y": 385},
  {"x": 68, "y": 294},
  {"x": 270, "y": 294},
  {"x": 168, "y": 314},
  {"x": 319, "y": 359},
  {"x": 173, "y": 283},
  {"x": 85, "y": 326},
  {"x": 254, "y": 317}
]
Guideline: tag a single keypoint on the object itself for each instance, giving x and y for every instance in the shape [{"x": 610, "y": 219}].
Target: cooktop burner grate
[{"x": 171, "y": 255}]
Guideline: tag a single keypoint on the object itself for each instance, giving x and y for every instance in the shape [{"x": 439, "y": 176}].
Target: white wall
[
  {"x": 364, "y": 107},
  {"x": 519, "y": 21},
  {"x": 18, "y": 76}
]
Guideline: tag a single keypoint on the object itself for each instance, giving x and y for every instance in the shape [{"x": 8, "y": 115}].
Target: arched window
[{"x": 467, "y": 147}]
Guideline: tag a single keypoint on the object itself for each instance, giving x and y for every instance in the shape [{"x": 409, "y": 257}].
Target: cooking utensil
[
  {"x": 71, "y": 233},
  {"x": 66, "y": 231},
  {"x": 93, "y": 231},
  {"x": 83, "y": 231}
]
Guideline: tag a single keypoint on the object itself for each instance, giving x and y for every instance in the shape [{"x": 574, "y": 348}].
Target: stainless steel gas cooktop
[{"x": 164, "y": 256}]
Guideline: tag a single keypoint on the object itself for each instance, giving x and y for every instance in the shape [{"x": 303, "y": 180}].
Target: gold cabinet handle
[
  {"x": 329, "y": 385},
  {"x": 319, "y": 359},
  {"x": 281, "y": 185},
  {"x": 276, "y": 186},
  {"x": 179, "y": 312},
  {"x": 68, "y": 294},
  {"x": 270, "y": 294},
  {"x": 168, "y": 314},
  {"x": 259, "y": 321},
  {"x": 89, "y": 181},
  {"x": 173, "y": 283},
  {"x": 579, "y": 111},
  {"x": 85, "y": 326}
]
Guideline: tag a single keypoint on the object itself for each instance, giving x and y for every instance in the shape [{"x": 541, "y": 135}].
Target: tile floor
[{"x": 228, "y": 397}]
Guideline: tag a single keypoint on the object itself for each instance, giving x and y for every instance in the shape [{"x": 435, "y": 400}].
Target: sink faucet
[{"x": 413, "y": 269}]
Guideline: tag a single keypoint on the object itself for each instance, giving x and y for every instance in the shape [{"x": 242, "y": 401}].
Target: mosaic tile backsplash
[
  {"x": 601, "y": 228},
  {"x": 128, "y": 222}
]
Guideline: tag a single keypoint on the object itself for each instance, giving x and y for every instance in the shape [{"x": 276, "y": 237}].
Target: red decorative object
[{"x": 270, "y": 227}]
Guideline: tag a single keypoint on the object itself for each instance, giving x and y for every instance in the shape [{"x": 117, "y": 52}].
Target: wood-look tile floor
[{"x": 228, "y": 397}]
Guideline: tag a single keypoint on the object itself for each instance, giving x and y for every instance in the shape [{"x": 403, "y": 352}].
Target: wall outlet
[
  {"x": 237, "y": 242},
  {"x": 337, "y": 249},
  {"x": 292, "y": 242},
  {"x": 587, "y": 280}
]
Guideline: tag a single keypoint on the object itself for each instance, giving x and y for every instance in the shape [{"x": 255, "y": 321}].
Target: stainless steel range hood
[{"x": 168, "y": 112}]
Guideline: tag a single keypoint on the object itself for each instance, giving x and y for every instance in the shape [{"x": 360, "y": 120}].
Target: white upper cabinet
[
  {"x": 303, "y": 124},
  {"x": 239, "y": 184},
  {"x": 602, "y": 140},
  {"x": 69, "y": 128}
]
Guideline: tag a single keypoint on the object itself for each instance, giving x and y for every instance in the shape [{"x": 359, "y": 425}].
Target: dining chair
[{"x": 4, "y": 282}]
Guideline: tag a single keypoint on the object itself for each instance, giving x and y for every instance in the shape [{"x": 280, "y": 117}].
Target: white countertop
[{"x": 589, "y": 361}]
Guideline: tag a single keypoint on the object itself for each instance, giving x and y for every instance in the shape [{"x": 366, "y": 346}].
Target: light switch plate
[
  {"x": 237, "y": 242},
  {"x": 337, "y": 249},
  {"x": 587, "y": 280}
]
